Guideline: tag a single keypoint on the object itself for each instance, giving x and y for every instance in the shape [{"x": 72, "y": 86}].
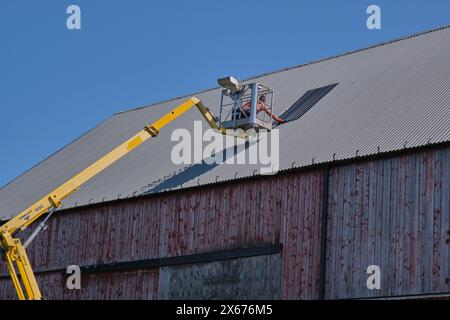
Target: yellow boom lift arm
[{"x": 12, "y": 248}]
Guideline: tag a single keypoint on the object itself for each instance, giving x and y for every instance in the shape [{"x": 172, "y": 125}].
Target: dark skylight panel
[{"x": 306, "y": 102}]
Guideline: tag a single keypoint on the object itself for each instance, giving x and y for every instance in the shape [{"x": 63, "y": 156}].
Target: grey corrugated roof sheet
[{"x": 388, "y": 95}]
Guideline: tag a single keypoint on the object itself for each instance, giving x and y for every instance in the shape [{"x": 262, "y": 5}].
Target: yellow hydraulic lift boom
[{"x": 12, "y": 248}]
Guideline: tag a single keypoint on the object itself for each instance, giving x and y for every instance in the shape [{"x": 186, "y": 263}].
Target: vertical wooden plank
[
  {"x": 401, "y": 213},
  {"x": 420, "y": 273},
  {"x": 311, "y": 246},
  {"x": 305, "y": 232},
  {"x": 445, "y": 221},
  {"x": 415, "y": 225},
  {"x": 212, "y": 213},
  {"x": 345, "y": 231},
  {"x": 299, "y": 233},
  {"x": 293, "y": 239},
  {"x": 337, "y": 210},
  {"x": 378, "y": 216},
  {"x": 436, "y": 230},
  {"x": 285, "y": 231},
  {"x": 218, "y": 218},
  {"x": 392, "y": 227},
  {"x": 352, "y": 217},
  {"x": 318, "y": 212},
  {"x": 429, "y": 215},
  {"x": 408, "y": 224},
  {"x": 358, "y": 225},
  {"x": 365, "y": 214},
  {"x": 385, "y": 216},
  {"x": 202, "y": 222},
  {"x": 248, "y": 214}
]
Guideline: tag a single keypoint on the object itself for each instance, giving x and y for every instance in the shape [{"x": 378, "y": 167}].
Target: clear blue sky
[{"x": 56, "y": 84}]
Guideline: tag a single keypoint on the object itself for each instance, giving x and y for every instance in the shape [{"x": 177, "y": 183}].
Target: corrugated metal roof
[{"x": 389, "y": 96}]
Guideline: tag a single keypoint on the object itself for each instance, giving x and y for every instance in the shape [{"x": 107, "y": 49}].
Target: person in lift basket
[{"x": 260, "y": 106}]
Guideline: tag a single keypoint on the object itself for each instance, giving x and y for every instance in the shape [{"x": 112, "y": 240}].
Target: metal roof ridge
[{"x": 384, "y": 43}]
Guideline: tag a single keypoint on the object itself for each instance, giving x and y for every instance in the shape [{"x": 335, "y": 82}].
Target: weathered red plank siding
[
  {"x": 301, "y": 235},
  {"x": 136, "y": 285},
  {"x": 235, "y": 215},
  {"x": 393, "y": 213},
  {"x": 163, "y": 226}
]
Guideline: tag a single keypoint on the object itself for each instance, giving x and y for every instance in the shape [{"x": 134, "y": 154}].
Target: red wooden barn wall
[
  {"x": 392, "y": 212},
  {"x": 135, "y": 284},
  {"x": 196, "y": 221}
]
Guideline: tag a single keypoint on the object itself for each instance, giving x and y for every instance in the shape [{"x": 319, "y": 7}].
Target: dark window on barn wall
[{"x": 306, "y": 102}]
